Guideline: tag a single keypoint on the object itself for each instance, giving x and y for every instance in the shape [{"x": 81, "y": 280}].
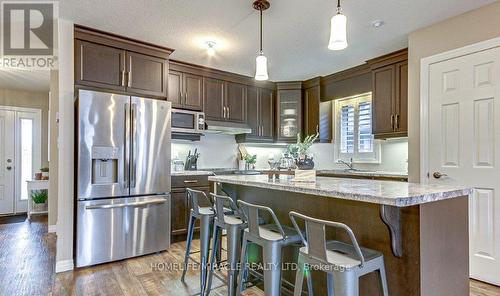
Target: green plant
[
  {"x": 39, "y": 196},
  {"x": 302, "y": 146},
  {"x": 250, "y": 159},
  {"x": 44, "y": 170}
]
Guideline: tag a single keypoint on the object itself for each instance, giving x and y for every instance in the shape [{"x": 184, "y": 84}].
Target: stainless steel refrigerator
[{"x": 123, "y": 177}]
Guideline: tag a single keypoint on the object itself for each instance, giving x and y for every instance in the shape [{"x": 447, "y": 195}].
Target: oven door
[{"x": 184, "y": 121}]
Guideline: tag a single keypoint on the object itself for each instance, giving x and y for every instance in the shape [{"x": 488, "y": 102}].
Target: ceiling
[
  {"x": 296, "y": 32},
  {"x": 28, "y": 80}
]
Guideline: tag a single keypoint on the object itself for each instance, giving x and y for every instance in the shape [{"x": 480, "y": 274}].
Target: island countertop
[{"x": 399, "y": 194}]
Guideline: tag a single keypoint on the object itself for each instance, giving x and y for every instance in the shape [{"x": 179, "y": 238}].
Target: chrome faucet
[{"x": 348, "y": 164}]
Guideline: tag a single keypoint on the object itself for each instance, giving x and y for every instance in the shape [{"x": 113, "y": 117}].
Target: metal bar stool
[
  {"x": 234, "y": 223},
  {"x": 272, "y": 238},
  {"x": 344, "y": 263},
  {"x": 206, "y": 216}
]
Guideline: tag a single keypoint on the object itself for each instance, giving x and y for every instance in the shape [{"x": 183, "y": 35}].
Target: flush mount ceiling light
[
  {"x": 378, "y": 23},
  {"x": 338, "y": 30},
  {"x": 261, "y": 60},
  {"x": 211, "y": 47}
]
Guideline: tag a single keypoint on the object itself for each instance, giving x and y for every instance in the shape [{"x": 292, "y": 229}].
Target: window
[
  {"x": 354, "y": 130},
  {"x": 26, "y": 135}
]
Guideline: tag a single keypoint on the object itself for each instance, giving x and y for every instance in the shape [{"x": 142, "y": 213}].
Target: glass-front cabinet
[{"x": 289, "y": 105}]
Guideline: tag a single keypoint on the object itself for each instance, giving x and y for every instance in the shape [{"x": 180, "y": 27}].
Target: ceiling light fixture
[
  {"x": 378, "y": 23},
  {"x": 261, "y": 60},
  {"x": 211, "y": 47},
  {"x": 338, "y": 30}
]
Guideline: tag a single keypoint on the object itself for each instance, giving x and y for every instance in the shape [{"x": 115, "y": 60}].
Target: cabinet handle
[
  {"x": 122, "y": 82},
  {"x": 392, "y": 121},
  {"x": 317, "y": 128},
  {"x": 190, "y": 181},
  {"x": 129, "y": 78},
  {"x": 261, "y": 130},
  {"x": 228, "y": 112},
  {"x": 396, "y": 124},
  {"x": 223, "y": 111}
]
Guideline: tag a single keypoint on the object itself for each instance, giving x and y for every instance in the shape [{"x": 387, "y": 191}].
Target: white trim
[
  {"x": 64, "y": 265},
  {"x": 20, "y": 109},
  {"x": 425, "y": 64},
  {"x": 52, "y": 228}
]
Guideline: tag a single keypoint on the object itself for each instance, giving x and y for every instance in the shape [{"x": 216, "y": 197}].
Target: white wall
[
  {"x": 64, "y": 251},
  {"x": 220, "y": 151}
]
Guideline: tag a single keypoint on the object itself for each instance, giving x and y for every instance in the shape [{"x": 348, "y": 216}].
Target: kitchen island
[{"x": 422, "y": 230}]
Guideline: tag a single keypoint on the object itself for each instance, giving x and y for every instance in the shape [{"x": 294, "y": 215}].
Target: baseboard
[
  {"x": 64, "y": 265},
  {"x": 52, "y": 228}
]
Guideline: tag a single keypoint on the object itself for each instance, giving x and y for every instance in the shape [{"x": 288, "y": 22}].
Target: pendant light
[
  {"x": 261, "y": 60},
  {"x": 338, "y": 30}
]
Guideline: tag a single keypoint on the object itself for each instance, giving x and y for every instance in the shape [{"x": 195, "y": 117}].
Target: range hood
[{"x": 228, "y": 128}]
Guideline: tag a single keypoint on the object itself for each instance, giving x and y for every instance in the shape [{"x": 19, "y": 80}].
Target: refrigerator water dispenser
[{"x": 104, "y": 165}]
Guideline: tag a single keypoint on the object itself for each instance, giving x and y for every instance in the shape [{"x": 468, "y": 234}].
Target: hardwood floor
[{"x": 27, "y": 259}]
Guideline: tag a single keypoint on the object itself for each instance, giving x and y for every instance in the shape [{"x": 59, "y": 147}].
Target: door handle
[
  {"x": 133, "y": 204},
  {"x": 126, "y": 148},
  {"x": 438, "y": 175},
  {"x": 9, "y": 168},
  {"x": 133, "y": 146}
]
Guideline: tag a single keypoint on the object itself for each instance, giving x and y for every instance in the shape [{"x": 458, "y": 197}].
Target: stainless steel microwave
[{"x": 185, "y": 121}]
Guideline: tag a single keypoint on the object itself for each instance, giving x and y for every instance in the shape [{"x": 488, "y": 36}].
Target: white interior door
[
  {"x": 7, "y": 148},
  {"x": 464, "y": 144}
]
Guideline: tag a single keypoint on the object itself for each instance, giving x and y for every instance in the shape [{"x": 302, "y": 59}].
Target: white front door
[
  {"x": 7, "y": 148},
  {"x": 464, "y": 146}
]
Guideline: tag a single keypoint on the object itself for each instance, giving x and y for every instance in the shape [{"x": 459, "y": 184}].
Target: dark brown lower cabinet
[{"x": 180, "y": 207}]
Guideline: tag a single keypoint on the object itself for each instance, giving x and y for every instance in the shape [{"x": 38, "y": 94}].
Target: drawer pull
[{"x": 190, "y": 181}]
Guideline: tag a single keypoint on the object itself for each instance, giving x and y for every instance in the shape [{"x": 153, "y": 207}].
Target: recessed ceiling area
[
  {"x": 296, "y": 32},
  {"x": 27, "y": 80}
]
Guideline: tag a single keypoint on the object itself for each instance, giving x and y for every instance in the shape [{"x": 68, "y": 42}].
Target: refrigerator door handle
[
  {"x": 126, "y": 148},
  {"x": 133, "y": 166},
  {"x": 123, "y": 205}
]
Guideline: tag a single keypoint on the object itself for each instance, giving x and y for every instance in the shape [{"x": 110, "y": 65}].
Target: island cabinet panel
[
  {"x": 390, "y": 95},
  {"x": 260, "y": 115},
  {"x": 180, "y": 208},
  {"x": 235, "y": 102},
  {"x": 99, "y": 66},
  {"x": 108, "y": 62},
  {"x": 146, "y": 74},
  {"x": 213, "y": 96}
]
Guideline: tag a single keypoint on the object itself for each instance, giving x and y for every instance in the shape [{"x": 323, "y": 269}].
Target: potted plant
[
  {"x": 250, "y": 161},
  {"x": 299, "y": 151},
  {"x": 39, "y": 197},
  {"x": 45, "y": 173}
]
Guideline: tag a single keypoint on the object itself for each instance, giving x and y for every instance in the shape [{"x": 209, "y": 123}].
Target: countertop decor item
[
  {"x": 250, "y": 161},
  {"x": 299, "y": 151}
]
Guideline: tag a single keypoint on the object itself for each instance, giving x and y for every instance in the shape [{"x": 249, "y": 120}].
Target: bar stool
[
  {"x": 272, "y": 238},
  {"x": 344, "y": 263},
  {"x": 206, "y": 216},
  {"x": 234, "y": 223}
]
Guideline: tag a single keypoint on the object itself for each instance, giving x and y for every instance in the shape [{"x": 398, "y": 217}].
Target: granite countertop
[
  {"x": 400, "y": 194},
  {"x": 363, "y": 173},
  {"x": 191, "y": 173}
]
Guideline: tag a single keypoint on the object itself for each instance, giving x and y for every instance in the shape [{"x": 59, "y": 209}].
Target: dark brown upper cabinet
[
  {"x": 146, "y": 75},
  {"x": 224, "y": 100},
  {"x": 99, "y": 66},
  {"x": 390, "y": 95},
  {"x": 317, "y": 115},
  {"x": 109, "y": 62},
  {"x": 185, "y": 90},
  {"x": 213, "y": 99},
  {"x": 260, "y": 115},
  {"x": 235, "y": 102},
  {"x": 289, "y": 111}
]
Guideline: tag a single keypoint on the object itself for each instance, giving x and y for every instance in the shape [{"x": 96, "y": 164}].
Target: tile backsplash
[{"x": 221, "y": 151}]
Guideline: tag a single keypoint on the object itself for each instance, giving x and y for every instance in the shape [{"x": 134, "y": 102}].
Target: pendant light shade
[
  {"x": 338, "y": 31},
  {"x": 261, "y": 60},
  {"x": 261, "y": 68}
]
